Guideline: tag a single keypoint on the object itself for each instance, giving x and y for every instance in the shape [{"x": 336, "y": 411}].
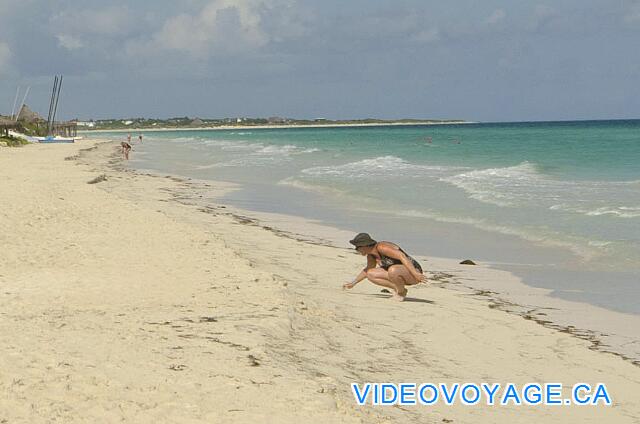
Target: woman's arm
[{"x": 371, "y": 263}]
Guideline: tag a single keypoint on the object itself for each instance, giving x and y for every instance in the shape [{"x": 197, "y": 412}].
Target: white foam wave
[
  {"x": 258, "y": 149},
  {"x": 524, "y": 185},
  {"x": 210, "y": 166},
  {"x": 386, "y": 166},
  {"x": 495, "y": 185},
  {"x": 232, "y": 144},
  {"x": 182, "y": 139},
  {"x": 292, "y": 182},
  {"x": 241, "y": 147},
  {"x": 274, "y": 149},
  {"x": 620, "y": 211}
]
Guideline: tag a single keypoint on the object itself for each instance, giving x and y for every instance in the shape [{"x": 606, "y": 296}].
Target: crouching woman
[{"x": 387, "y": 266}]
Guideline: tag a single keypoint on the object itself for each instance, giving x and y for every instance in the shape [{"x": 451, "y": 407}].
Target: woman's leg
[
  {"x": 400, "y": 273},
  {"x": 401, "y": 277},
  {"x": 381, "y": 277}
]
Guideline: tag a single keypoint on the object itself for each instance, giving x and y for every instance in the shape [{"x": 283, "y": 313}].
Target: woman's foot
[{"x": 400, "y": 295}]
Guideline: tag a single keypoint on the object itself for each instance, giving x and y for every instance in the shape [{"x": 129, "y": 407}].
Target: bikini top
[{"x": 386, "y": 261}]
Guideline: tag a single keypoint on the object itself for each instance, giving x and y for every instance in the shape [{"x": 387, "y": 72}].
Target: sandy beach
[{"x": 128, "y": 298}]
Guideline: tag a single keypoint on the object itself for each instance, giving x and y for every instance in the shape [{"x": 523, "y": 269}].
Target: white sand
[{"x": 121, "y": 301}]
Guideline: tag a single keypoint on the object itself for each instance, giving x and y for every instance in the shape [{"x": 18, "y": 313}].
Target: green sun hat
[{"x": 362, "y": 239}]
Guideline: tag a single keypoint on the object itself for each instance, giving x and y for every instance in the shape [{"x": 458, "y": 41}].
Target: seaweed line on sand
[{"x": 494, "y": 301}]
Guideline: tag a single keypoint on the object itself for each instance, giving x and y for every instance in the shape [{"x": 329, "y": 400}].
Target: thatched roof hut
[
  {"x": 29, "y": 116},
  {"x": 5, "y": 124}
]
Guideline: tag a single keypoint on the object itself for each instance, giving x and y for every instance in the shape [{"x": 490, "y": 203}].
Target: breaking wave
[
  {"x": 388, "y": 166},
  {"x": 525, "y": 185}
]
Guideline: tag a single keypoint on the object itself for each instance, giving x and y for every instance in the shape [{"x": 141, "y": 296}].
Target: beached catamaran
[{"x": 53, "y": 108}]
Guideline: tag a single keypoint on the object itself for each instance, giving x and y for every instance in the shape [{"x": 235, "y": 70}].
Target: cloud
[
  {"x": 69, "y": 42},
  {"x": 75, "y": 29},
  {"x": 542, "y": 17},
  {"x": 222, "y": 25},
  {"x": 497, "y": 16},
  {"x": 5, "y": 55},
  {"x": 115, "y": 20},
  {"x": 633, "y": 15},
  {"x": 428, "y": 35}
]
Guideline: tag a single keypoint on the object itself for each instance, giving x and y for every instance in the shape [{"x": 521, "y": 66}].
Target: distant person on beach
[
  {"x": 140, "y": 138},
  {"x": 387, "y": 266},
  {"x": 126, "y": 148},
  {"x": 129, "y": 138}
]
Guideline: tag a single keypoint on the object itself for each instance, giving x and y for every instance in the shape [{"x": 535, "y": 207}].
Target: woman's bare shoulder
[{"x": 387, "y": 245}]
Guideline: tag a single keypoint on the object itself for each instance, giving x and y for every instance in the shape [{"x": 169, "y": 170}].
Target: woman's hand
[
  {"x": 421, "y": 278},
  {"x": 348, "y": 285}
]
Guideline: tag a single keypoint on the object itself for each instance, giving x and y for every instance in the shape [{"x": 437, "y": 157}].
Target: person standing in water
[
  {"x": 126, "y": 148},
  {"x": 387, "y": 266},
  {"x": 140, "y": 137}
]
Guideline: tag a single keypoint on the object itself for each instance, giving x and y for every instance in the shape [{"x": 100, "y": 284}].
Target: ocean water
[{"x": 557, "y": 202}]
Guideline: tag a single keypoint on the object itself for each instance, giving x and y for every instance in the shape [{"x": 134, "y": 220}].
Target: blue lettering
[
  {"x": 448, "y": 397},
  {"x": 376, "y": 394},
  {"x": 424, "y": 400},
  {"x": 491, "y": 392},
  {"x": 601, "y": 392},
  {"x": 360, "y": 397},
  {"x": 581, "y": 387},
  {"x": 407, "y": 394},
  {"x": 553, "y": 396},
  {"x": 532, "y": 398},
  {"x": 463, "y": 394},
  {"x": 385, "y": 390},
  {"x": 510, "y": 394}
]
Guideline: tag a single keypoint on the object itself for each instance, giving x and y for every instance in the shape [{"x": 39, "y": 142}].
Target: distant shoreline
[{"x": 264, "y": 127}]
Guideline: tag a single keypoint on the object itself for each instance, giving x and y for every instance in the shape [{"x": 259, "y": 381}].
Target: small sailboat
[
  {"x": 51, "y": 119},
  {"x": 57, "y": 139}
]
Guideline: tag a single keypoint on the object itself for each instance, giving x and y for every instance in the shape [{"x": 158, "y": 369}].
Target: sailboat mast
[
  {"x": 15, "y": 101},
  {"x": 26, "y": 93},
  {"x": 53, "y": 93},
  {"x": 55, "y": 108}
]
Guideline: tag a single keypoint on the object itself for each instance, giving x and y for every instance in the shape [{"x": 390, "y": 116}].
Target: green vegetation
[
  {"x": 12, "y": 141},
  {"x": 186, "y": 122},
  {"x": 33, "y": 128}
]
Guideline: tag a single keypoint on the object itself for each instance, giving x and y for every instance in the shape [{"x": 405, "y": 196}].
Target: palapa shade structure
[
  {"x": 27, "y": 115},
  {"x": 6, "y": 124}
]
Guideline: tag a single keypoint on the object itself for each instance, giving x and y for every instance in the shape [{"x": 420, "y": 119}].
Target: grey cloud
[
  {"x": 542, "y": 17},
  {"x": 219, "y": 27},
  {"x": 109, "y": 21},
  {"x": 497, "y": 16},
  {"x": 5, "y": 55},
  {"x": 632, "y": 15},
  {"x": 69, "y": 42},
  {"x": 469, "y": 59}
]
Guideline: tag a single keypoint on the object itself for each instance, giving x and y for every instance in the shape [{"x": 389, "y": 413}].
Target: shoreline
[
  {"x": 512, "y": 294},
  {"x": 273, "y": 127},
  {"x": 292, "y": 333}
]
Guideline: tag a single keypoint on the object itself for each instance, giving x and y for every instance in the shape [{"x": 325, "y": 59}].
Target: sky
[{"x": 486, "y": 60}]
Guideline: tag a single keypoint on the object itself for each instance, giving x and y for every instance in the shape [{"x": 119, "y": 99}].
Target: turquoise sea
[{"x": 556, "y": 202}]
